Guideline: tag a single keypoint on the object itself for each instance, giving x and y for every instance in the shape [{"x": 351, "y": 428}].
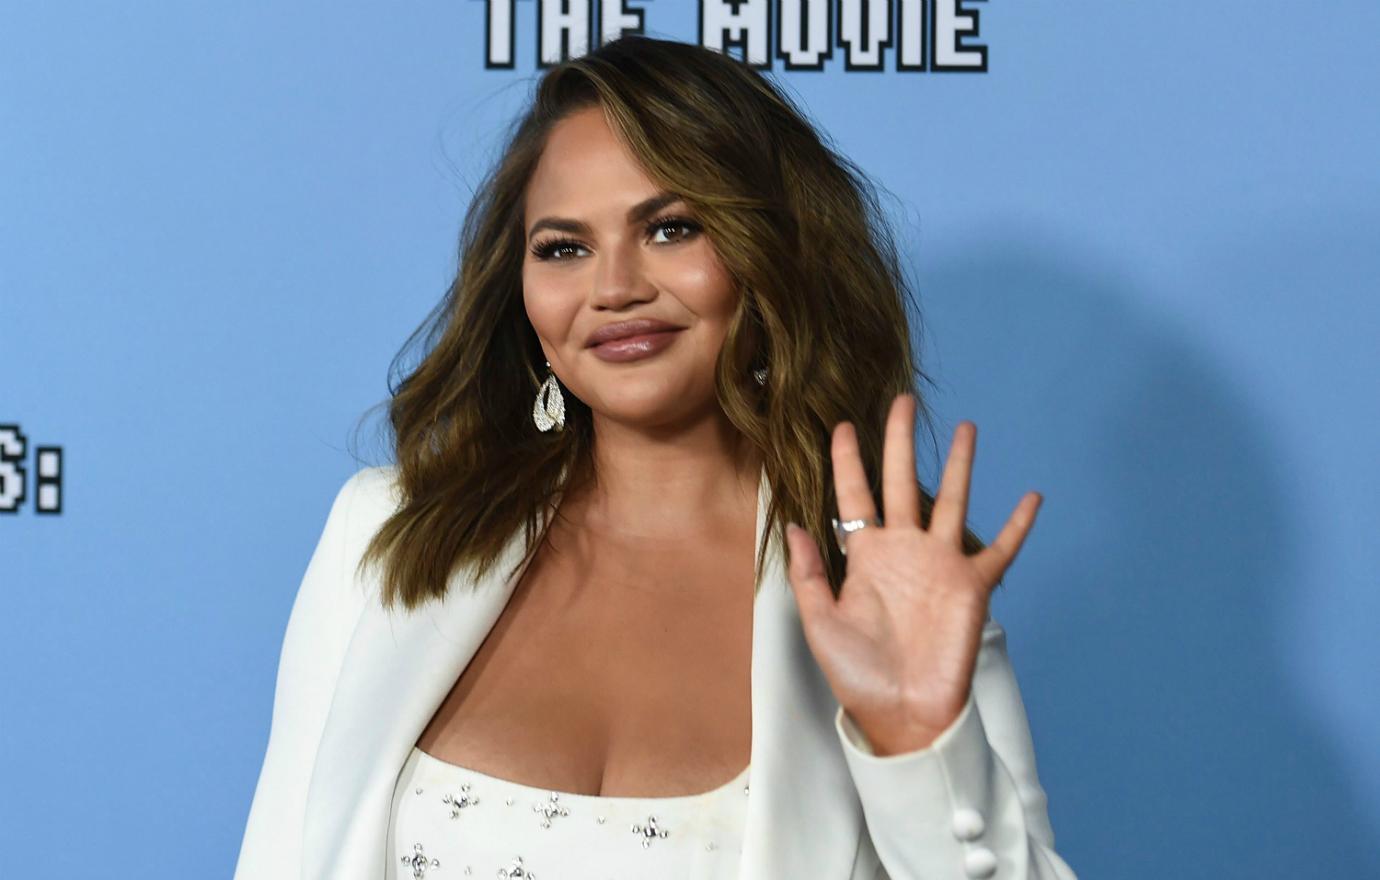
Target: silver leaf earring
[
  {"x": 760, "y": 375},
  {"x": 549, "y": 410}
]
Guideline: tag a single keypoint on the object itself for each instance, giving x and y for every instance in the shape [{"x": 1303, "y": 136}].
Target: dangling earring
[
  {"x": 760, "y": 375},
  {"x": 549, "y": 410}
]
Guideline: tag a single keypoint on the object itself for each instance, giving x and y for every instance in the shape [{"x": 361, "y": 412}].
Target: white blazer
[{"x": 356, "y": 686}]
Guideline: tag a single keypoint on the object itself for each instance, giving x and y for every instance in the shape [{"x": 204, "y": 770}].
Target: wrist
[{"x": 903, "y": 729}]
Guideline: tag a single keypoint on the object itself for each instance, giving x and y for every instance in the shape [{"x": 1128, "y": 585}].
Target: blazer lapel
[
  {"x": 803, "y": 818},
  {"x": 397, "y": 671}
]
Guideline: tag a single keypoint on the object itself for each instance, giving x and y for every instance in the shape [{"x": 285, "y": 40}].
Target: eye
[
  {"x": 553, "y": 249},
  {"x": 660, "y": 223},
  {"x": 547, "y": 250}
]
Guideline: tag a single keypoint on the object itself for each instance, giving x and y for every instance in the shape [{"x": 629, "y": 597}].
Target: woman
[{"x": 543, "y": 644}]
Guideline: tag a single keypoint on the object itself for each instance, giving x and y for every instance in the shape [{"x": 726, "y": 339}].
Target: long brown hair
[{"x": 823, "y": 309}]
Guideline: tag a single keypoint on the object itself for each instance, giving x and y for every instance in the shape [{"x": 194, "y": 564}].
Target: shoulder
[
  {"x": 362, "y": 503},
  {"x": 366, "y": 500},
  {"x": 373, "y": 490}
]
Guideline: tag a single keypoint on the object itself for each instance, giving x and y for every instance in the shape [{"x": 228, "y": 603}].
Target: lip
[
  {"x": 626, "y": 329},
  {"x": 631, "y": 348}
]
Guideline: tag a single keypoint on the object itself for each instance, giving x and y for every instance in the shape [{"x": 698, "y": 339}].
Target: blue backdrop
[{"x": 1147, "y": 245}]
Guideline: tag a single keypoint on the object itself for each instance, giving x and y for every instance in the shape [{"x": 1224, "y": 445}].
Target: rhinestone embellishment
[
  {"x": 550, "y": 808},
  {"x": 548, "y": 411},
  {"x": 455, "y": 795},
  {"x": 417, "y": 861},
  {"x": 650, "y": 831},
  {"x": 458, "y": 804}
]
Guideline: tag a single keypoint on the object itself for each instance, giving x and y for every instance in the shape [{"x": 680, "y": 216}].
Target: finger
[
  {"x": 951, "y": 503},
  {"x": 850, "y": 479},
  {"x": 808, "y": 578},
  {"x": 998, "y": 556},
  {"x": 900, "y": 492}
]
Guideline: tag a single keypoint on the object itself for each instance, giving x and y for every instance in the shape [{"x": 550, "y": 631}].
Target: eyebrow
[{"x": 636, "y": 214}]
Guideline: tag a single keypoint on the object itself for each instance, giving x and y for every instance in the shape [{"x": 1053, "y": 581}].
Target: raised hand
[{"x": 899, "y": 645}]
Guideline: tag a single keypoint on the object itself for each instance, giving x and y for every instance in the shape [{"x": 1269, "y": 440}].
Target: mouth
[
  {"x": 633, "y": 338},
  {"x": 627, "y": 330},
  {"x": 635, "y": 347}
]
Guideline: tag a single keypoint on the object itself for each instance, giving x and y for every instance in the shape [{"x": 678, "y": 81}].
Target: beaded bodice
[{"x": 452, "y": 822}]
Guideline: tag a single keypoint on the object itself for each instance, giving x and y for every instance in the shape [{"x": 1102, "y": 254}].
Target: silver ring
[{"x": 848, "y": 526}]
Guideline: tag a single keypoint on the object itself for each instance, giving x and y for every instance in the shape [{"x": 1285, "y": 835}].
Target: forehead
[{"x": 585, "y": 169}]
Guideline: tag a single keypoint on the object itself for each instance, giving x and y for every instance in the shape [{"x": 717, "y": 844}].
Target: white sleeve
[
  {"x": 317, "y": 634},
  {"x": 970, "y": 804}
]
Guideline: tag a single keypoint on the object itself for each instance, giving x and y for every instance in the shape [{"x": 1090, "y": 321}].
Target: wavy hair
[{"x": 823, "y": 307}]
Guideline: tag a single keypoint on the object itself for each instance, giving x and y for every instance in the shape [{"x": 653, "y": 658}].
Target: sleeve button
[
  {"x": 968, "y": 824},
  {"x": 980, "y": 863}
]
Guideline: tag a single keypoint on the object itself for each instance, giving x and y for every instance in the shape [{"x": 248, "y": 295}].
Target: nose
[{"x": 620, "y": 277}]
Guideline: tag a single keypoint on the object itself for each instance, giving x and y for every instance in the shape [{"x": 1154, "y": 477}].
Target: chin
[{"x": 659, "y": 406}]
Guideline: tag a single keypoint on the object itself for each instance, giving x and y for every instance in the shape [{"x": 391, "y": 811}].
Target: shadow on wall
[{"x": 1144, "y": 610}]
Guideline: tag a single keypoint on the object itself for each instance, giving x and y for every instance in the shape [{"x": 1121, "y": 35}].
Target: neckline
[{"x": 737, "y": 780}]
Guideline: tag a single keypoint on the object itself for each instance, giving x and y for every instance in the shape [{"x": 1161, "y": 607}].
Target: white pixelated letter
[
  {"x": 499, "y": 34},
  {"x": 951, "y": 23},
  {"x": 12, "y": 450},
  {"x": 563, "y": 30},
  {"x": 910, "y": 34},
  {"x": 864, "y": 32},
  {"x": 803, "y": 34},
  {"x": 745, "y": 24},
  {"x": 616, "y": 19}
]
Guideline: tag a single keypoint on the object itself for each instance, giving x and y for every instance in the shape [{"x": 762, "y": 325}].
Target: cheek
[
  {"x": 547, "y": 309},
  {"x": 708, "y": 288},
  {"x": 711, "y": 294}
]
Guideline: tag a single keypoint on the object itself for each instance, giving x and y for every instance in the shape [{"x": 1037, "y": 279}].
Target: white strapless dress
[{"x": 450, "y": 822}]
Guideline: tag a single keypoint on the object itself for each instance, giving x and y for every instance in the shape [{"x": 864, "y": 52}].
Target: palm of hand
[{"x": 899, "y": 645}]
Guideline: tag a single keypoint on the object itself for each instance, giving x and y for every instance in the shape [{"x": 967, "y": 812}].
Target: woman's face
[{"x": 605, "y": 261}]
